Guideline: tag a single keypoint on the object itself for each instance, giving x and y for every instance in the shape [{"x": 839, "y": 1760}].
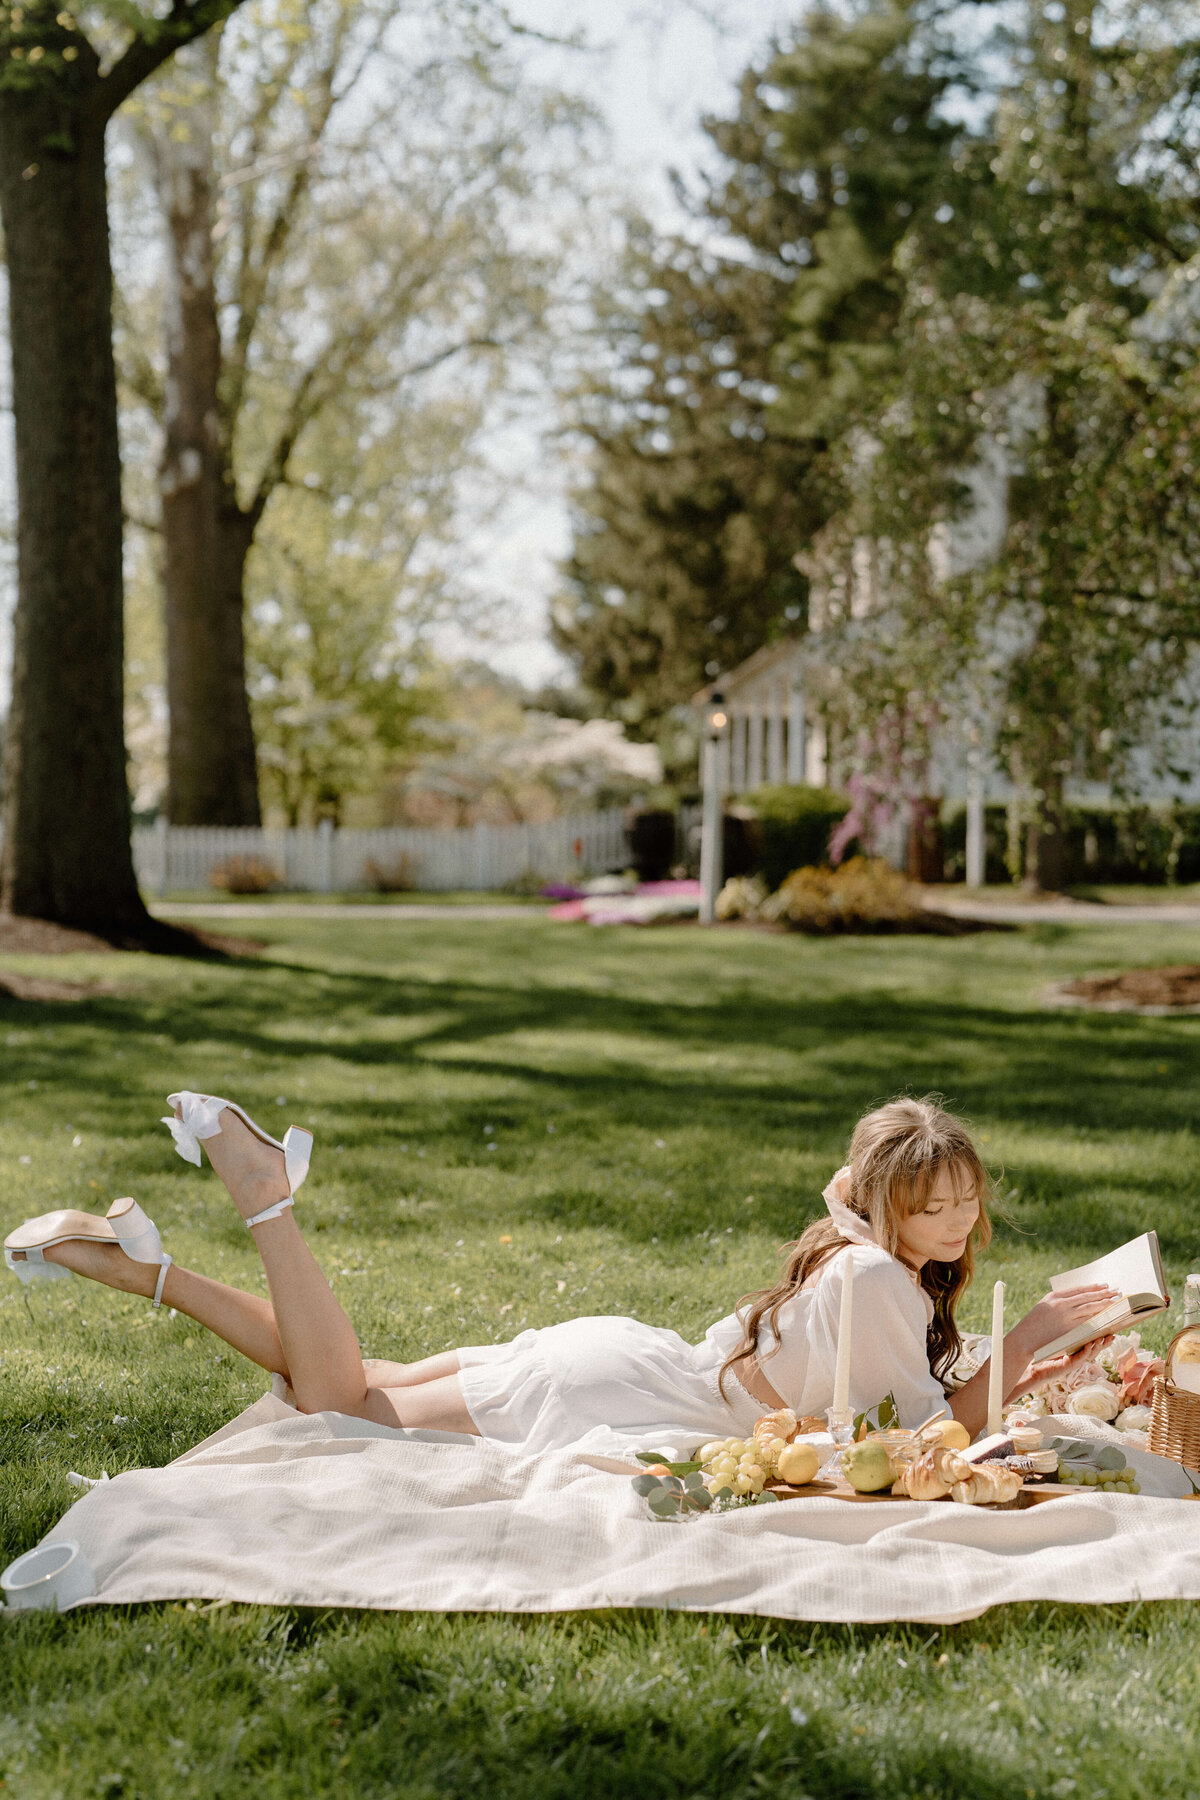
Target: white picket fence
[{"x": 325, "y": 860}]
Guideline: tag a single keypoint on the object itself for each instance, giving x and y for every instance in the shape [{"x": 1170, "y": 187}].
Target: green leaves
[
  {"x": 676, "y": 1468},
  {"x": 885, "y": 1416},
  {"x": 1088, "y": 1452},
  {"x": 683, "y": 1493}
]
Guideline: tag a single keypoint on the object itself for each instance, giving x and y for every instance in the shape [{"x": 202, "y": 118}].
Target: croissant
[
  {"x": 924, "y": 1479},
  {"x": 782, "y": 1424},
  {"x": 989, "y": 1484}
]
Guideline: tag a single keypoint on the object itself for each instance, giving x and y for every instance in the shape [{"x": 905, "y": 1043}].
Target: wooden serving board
[{"x": 841, "y": 1490}]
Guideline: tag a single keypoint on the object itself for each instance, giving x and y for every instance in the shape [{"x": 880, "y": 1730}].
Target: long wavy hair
[{"x": 896, "y": 1155}]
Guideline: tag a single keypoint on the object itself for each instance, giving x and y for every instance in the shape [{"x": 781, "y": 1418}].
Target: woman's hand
[
  {"x": 1057, "y": 1313},
  {"x": 1055, "y": 1368}
]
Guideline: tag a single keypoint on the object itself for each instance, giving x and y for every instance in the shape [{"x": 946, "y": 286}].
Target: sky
[{"x": 652, "y": 70}]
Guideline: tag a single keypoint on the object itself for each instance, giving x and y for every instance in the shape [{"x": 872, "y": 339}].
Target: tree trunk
[
  {"x": 66, "y": 851},
  {"x": 1046, "y": 844},
  {"x": 212, "y": 775}
]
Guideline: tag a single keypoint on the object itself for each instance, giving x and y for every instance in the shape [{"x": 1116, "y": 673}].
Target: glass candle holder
[
  {"x": 841, "y": 1430},
  {"x": 841, "y": 1425}
]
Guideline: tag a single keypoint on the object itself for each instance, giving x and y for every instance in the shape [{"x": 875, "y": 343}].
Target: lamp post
[
  {"x": 716, "y": 725},
  {"x": 976, "y": 869}
]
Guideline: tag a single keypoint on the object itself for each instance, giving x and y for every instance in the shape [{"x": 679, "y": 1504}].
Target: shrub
[
  {"x": 862, "y": 895},
  {"x": 245, "y": 875},
  {"x": 742, "y": 897},
  {"x": 396, "y": 877},
  {"x": 794, "y": 827},
  {"x": 1153, "y": 842},
  {"x": 651, "y": 839},
  {"x": 527, "y": 883}
]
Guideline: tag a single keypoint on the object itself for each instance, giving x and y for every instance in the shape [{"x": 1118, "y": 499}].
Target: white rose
[
  {"x": 1097, "y": 1401},
  {"x": 1134, "y": 1418}
]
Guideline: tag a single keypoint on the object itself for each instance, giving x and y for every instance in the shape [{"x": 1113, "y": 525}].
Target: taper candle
[
  {"x": 995, "y": 1412},
  {"x": 841, "y": 1372}
]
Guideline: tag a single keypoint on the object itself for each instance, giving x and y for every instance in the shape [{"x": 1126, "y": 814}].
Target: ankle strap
[
  {"x": 270, "y": 1212},
  {"x": 163, "y": 1266}
]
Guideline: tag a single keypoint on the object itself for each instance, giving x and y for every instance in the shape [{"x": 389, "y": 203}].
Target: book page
[{"x": 1133, "y": 1269}]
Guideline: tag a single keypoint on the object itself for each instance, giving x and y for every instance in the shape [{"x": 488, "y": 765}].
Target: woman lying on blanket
[{"x": 907, "y": 1210}]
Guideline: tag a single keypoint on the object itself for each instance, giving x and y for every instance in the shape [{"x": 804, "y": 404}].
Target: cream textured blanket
[{"x": 329, "y": 1511}]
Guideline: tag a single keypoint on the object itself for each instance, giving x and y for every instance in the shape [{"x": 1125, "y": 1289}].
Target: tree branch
[
  {"x": 254, "y": 276},
  {"x": 188, "y": 19}
]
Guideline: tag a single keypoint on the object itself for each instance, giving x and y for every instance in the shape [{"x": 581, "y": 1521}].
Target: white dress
[{"x": 547, "y": 1389}]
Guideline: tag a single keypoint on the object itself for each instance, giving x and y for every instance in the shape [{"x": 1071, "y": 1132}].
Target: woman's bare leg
[
  {"x": 247, "y": 1322},
  {"x": 382, "y": 1374},
  {"x": 324, "y": 1362},
  {"x": 243, "y": 1320},
  {"x": 436, "y": 1405}
]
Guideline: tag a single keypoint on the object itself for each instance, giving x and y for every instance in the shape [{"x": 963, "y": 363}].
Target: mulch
[
  {"x": 21, "y": 936},
  {"x": 1172, "y": 989}
]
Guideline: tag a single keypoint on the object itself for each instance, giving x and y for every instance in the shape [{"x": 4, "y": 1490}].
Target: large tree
[
  {"x": 66, "y": 855},
  {"x": 341, "y": 185},
  {"x": 1047, "y": 328}
]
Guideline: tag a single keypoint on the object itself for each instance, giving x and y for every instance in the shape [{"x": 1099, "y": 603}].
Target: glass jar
[
  {"x": 1191, "y": 1300},
  {"x": 1185, "y": 1360}
]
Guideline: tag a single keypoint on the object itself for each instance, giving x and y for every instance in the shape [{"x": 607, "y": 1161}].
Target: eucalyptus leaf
[
  {"x": 765, "y": 1495},
  {"x": 663, "y": 1505},
  {"x": 701, "y": 1499},
  {"x": 693, "y": 1480},
  {"x": 1110, "y": 1458},
  {"x": 645, "y": 1484}
]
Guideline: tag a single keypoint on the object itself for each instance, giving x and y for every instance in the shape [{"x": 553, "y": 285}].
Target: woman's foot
[
  {"x": 106, "y": 1263},
  {"x": 253, "y": 1172}
]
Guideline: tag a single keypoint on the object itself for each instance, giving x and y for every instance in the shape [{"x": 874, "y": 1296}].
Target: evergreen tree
[{"x": 704, "y": 483}]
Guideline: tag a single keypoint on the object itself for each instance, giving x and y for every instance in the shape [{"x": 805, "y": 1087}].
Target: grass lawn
[{"x": 646, "y": 1116}]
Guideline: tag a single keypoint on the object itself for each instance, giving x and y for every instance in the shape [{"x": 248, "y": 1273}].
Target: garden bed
[{"x": 1155, "y": 991}]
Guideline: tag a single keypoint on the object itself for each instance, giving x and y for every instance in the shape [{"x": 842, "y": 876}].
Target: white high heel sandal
[
  {"x": 125, "y": 1224},
  {"x": 201, "y": 1118}
]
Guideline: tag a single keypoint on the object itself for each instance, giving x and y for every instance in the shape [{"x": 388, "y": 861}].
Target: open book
[{"x": 1135, "y": 1270}]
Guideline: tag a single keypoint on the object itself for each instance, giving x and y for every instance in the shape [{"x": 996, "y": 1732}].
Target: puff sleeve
[{"x": 888, "y": 1349}]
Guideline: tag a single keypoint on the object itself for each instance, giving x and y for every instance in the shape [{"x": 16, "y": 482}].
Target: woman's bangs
[{"x": 913, "y": 1188}]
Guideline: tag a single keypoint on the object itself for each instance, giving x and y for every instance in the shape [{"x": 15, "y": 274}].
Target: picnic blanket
[{"x": 325, "y": 1510}]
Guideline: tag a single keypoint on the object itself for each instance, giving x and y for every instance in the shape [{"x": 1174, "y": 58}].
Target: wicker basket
[{"x": 1175, "y": 1415}]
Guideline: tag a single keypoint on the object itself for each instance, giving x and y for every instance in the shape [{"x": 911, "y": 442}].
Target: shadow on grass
[{"x": 1048, "y": 1072}]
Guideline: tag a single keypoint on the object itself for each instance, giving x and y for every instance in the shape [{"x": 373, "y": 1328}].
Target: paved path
[
  {"x": 1068, "y": 912},
  {"x": 250, "y": 909},
  {"x": 1016, "y": 912}
]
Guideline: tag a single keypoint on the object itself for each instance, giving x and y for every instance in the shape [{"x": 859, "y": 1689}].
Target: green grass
[{"x": 665, "y": 1108}]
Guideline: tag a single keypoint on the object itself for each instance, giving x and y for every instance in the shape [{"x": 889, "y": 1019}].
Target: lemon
[
  {"x": 798, "y": 1464},
  {"x": 953, "y": 1434}
]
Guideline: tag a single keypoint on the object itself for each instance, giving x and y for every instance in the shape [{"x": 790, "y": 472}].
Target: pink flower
[
  {"x": 1084, "y": 1374},
  {"x": 1137, "y": 1383}
]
